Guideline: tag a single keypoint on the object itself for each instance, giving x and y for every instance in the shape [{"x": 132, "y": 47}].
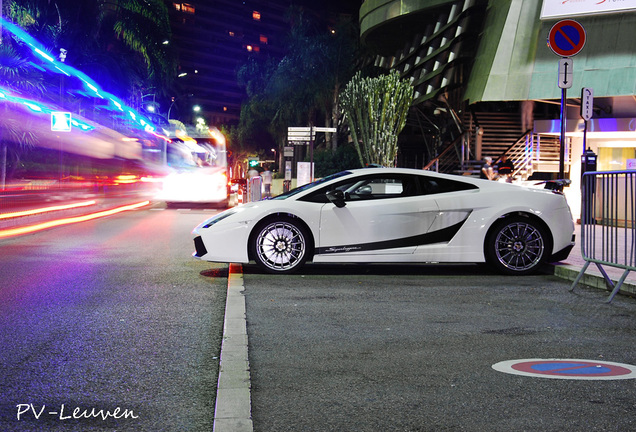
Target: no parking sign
[{"x": 566, "y": 38}]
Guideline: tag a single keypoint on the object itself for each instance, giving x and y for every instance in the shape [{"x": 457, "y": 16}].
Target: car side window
[
  {"x": 371, "y": 187},
  {"x": 379, "y": 187},
  {"x": 435, "y": 185}
]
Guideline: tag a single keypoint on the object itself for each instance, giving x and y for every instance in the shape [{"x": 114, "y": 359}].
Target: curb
[
  {"x": 592, "y": 279},
  {"x": 233, "y": 410}
]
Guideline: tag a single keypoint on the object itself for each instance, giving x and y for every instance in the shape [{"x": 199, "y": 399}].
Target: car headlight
[{"x": 218, "y": 218}]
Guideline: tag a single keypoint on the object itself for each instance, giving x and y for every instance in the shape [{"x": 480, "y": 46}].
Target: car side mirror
[{"x": 337, "y": 197}]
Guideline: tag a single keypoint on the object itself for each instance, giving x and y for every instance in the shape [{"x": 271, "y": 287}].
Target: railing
[
  {"x": 608, "y": 224},
  {"x": 520, "y": 152},
  {"x": 448, "y": 159}
]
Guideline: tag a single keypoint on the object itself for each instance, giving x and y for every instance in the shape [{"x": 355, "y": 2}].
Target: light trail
[
  {"x": 45, "y": 209},
  {"x": 66, "y": 221}
]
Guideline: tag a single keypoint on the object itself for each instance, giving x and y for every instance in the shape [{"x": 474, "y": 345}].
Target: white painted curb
[{"x": 233, "y": 411}]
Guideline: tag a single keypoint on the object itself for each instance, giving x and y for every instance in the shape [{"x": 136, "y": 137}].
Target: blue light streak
[
  {"x": 39, "y": 107},
  {"x": 57, "y": 67}
]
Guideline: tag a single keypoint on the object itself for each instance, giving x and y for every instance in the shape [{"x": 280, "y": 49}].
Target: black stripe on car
[{"x": 443, "y": 235}]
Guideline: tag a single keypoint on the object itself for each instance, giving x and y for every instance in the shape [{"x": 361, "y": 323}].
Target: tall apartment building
[{"x": 213, "y": 38}]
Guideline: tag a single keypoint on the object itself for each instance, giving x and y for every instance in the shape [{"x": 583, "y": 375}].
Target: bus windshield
[
  {"x": 197, "y": 170},
  {"x": 190, "y": 155}
]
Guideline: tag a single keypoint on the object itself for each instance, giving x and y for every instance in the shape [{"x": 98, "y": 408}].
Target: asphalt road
[
  {"x": 107, "y": 314},
  {"x": 114, "y": 313},
  {"x": 385, "y": 348}
]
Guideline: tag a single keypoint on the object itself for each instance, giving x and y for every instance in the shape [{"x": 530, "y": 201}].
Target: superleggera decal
[{"x": 439, "y": 236}]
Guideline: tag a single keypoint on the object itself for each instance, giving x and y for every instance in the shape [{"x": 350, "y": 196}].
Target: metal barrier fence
[
  {"x": 254, "y": 192},
  {"x": 608, "y": 224}
]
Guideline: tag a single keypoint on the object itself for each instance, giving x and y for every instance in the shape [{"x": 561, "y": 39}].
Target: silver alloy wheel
[
  {"x": 519, "y": 246},
  {"x": 280, "y": 246}
]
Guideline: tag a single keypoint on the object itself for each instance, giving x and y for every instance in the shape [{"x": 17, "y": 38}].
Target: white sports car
[{"x": 374, "y": 215}]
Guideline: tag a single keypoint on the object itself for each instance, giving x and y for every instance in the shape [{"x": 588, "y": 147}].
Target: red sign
[{"x": 566, "y": 38}]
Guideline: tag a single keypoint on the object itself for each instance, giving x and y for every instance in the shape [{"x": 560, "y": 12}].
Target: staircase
[{"x": 500, "y": 133}]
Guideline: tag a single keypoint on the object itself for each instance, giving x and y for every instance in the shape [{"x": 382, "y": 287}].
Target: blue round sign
[{"x": 575, "y": 369}]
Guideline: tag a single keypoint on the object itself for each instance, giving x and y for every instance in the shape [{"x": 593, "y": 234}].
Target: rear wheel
[
  {"x": 517, "y": 246},
  {"x": 280, "y": 246}
]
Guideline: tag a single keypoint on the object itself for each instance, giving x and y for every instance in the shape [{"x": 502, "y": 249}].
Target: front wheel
[
  {"x": 280, "y": 246},
  {"x": 517, "y": 246}
]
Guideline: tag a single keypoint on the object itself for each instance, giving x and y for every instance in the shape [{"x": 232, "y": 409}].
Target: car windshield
[{"x": 311, "y": 185}]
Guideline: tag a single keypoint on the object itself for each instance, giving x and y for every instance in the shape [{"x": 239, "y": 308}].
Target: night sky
[{"x": 347, "y": 6}]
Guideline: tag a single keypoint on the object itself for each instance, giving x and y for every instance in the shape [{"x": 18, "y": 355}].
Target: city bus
[{"x": 195, "y": 168}]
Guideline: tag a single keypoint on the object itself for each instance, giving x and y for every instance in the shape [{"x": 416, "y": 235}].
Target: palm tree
[
  {"x": 15, "y": 74},
  {"x": 119, "y": 43},
  {"x": 303, "y": 87},
  {"x": 144, "y": 27}
]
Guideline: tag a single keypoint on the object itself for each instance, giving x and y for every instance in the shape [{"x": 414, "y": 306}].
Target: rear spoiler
[{"x": 556, "y": 185}]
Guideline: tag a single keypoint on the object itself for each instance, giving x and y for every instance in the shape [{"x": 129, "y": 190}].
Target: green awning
[{"x": 513, "y": 61}]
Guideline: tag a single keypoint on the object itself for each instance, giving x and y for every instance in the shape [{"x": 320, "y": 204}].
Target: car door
[
  {"x": 384, "y": 214},
  {"x": 451, "y": 237}
]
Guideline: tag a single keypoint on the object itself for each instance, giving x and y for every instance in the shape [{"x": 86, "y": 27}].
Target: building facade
[
  {"x": 469, "y": 60},
  {"x": 215, "y": 37}
]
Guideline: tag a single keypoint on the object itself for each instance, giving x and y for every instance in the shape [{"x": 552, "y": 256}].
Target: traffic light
[{"x": 252, "y": 162}]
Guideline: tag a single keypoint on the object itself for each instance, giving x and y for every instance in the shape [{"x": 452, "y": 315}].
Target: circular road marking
[{"x": 572, "y": 369}]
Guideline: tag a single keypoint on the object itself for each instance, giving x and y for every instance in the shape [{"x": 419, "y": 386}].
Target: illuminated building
[
  {"x": 475, "y": 63},
  {"x": 213, "y": 38}
]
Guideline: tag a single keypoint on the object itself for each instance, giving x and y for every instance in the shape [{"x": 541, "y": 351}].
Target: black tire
[
  {"x": 280, "y": 246},
  {"x": 517, "y": 246}
]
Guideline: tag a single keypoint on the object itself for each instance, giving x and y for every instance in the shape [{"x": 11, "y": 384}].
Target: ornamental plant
[{"x": 376, "y": 110}]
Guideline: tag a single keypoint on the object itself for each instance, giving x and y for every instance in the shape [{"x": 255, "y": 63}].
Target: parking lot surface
[{"x": 411, "y": 348}]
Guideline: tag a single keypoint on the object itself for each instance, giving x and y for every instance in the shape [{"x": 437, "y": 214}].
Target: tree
[
  {"x": 15, "y": 74},
  {"x": 376, "y": 110},
  {"x": 119, "y": 44},
  {"x": 329, "y": 162},
  {"x": 303, "y": 87},
  {"x": 144, "y": 26}
]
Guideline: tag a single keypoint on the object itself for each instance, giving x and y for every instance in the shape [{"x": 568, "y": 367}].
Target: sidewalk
[{"x": 571, "y": 267}]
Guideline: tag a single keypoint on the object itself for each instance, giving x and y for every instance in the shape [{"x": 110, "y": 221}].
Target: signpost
[
  {"x": 587, "y": 110},
  {"x": 306, "y": 135},
  {"x": 587, "y": 103},
  {"x": 566, "y": 39},
  {"x": 565, "y": 73},
  {"x": 300, "y": 135}
]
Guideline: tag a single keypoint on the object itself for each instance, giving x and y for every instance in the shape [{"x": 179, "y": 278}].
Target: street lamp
[
  {"x": 171, "y": 105},
  {"x": 150, "y": 106},
  {"x": 62, "y": 58},
  {"x": 173, "y": 101}
]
